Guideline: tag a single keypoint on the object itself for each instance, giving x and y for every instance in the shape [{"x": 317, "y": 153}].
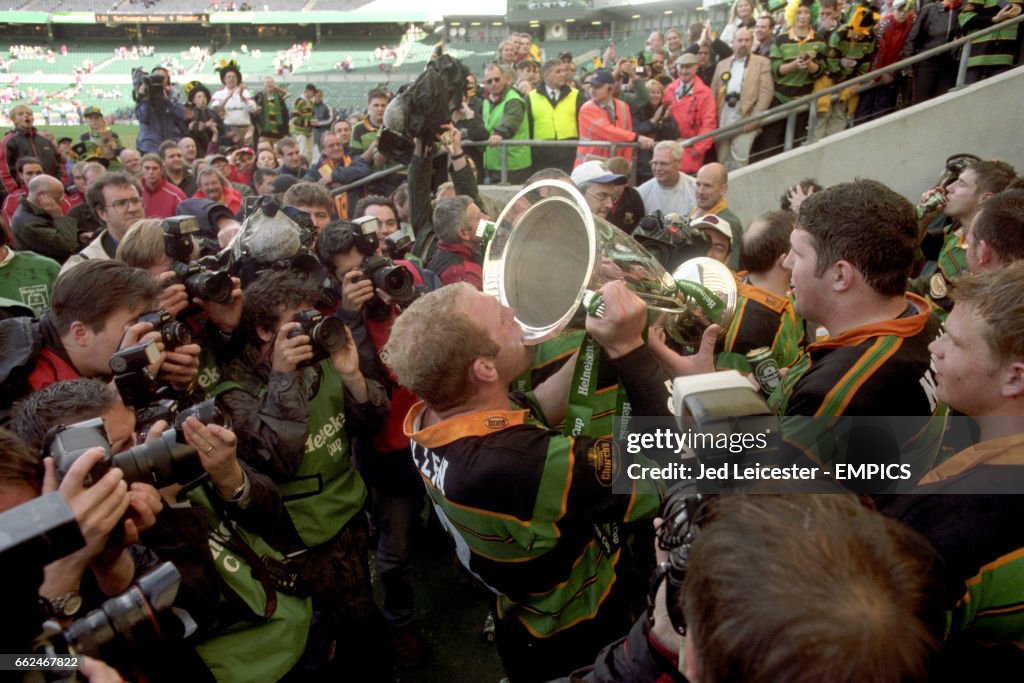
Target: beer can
[
  {"x": 765, "y": 369},
  {"x": 934, "y": 200}
]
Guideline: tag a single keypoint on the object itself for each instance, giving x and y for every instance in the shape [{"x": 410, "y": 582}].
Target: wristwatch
[{"x": 64, "y": 606}]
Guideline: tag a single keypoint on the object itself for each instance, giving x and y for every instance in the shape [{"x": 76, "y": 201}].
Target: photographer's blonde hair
[{"x": 143, "y": 244}]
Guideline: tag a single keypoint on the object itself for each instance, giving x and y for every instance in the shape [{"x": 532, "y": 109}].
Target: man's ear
[
  {"x": 1013, "y": 383},
  {"x": 483, "y": 371},
  {"x": 80, "y": 334},
  {"x": 265, "y": 335},
  {"x": 844, "y": 275},
  {"x": 986, "y": 254}
]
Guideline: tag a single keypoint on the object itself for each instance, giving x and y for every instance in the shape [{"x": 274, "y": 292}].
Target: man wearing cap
[
  {"x": 669, "y": 191},
  {"x": 25, "y": 140},
  {"x": 743, "y": 87},
  {"x": 100, "y": 141},
  {"x": 712, "y": 184},
  {"x": 719, "y": 236},
  {"x": 553, "y": 108},
  {"x": 693, "y": 107},
  {"x": 600, "y": 188},
  {"x": 504, "y": 116},
  {"x": 606, "y": 118}
]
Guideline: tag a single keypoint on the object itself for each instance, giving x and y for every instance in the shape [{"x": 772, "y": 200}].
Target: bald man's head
[
  {"x": 45, "y": 184},
  {"x": 712, "y": 184}
]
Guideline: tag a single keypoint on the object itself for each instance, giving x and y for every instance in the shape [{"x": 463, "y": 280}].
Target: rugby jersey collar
[
  {"x": 1007, "y": 450},
  {"x": 477, "y": 424},
  {"x": 899, "y": 327}
]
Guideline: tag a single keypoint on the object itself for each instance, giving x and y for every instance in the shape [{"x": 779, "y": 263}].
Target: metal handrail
[{"x": 787, "y": 111}]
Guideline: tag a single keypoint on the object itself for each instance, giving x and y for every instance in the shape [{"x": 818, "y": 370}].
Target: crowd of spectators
[{"x": 423, "y": 390}]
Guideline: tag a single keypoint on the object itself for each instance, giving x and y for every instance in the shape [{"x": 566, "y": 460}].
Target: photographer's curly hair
[{"x": 271, "y": 293}]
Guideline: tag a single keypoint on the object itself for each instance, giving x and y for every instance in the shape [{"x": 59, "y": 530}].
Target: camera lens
[
  {"x": 396, "y": 281},
  {"x": 175, "y": 334},
  {"x": 160, "y": 462},
  {"x": 329, "y": 334},
  {"x": 206, "y": 412},
  {"x": 211, "y": 286}
]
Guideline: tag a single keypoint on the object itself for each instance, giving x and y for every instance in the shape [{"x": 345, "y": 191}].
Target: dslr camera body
[
  {"x": 180, "y": 239},
  {"x": 326, "y": 334}
]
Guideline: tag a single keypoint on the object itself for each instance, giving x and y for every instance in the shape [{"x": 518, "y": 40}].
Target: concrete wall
[{"x": 907, "y": 150}]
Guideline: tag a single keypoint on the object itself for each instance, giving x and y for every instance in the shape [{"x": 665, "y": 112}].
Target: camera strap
[{"x": 259, "y": 570}]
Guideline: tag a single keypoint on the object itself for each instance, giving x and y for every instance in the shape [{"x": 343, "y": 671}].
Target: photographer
[
  {"x": 295, "y": 394},
  {"x": 210, "y": 321},
  {"x": 821, "y": 557},
  {"x": 383, "y": 459},
  {"x": 160, "y": 117},
  {"x": 214, "y": 534},
  {"x": 93, "y": 312}
]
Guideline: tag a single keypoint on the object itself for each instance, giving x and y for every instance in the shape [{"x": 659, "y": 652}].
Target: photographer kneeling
[{"x": 249, "y": 626}]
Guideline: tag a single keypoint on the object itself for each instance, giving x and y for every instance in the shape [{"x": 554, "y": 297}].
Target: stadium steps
[{"x": 905, "y": 150}]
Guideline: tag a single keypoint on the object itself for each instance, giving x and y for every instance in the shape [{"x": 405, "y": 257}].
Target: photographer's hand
[
  {"x": 356, "y": 290},
  {"x": 98, "y": 510},
  {"x": 227, "y": 317},
  {"x": 217, "y": 449},
  {"x": 180, "y": 367},
  {"x": 173, "y": 298},
  {"x": 346, "y": 363},
  {"x": 290, "y": 351}
]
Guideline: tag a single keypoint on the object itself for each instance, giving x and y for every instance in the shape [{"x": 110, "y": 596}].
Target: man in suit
[
  {"x": 553, "y": 108},
  {"x": 743, "y": 87}
]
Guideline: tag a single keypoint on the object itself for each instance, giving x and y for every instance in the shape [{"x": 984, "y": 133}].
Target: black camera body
[
  {"x": 398, "y": 244},
  {"x": 172, "y": 333},
  {"x": 395, "y": 281},
  {"x": 202, "y": 283},
  {"x": 326, "y": 334},
  {"x": 180, "y": 234},
  {"x": 161, "y": 462},
  {"x": 136, "y": 384},
  {"x": 732, "y": 98},
  {"x": 670, "y": 239},
  {"x": 148, "y": 86}
]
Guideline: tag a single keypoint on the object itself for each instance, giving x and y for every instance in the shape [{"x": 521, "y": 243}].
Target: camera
[
  {"x": 395, "y": 281},
  {"x": 172, "y": 333},
  {"x": 180, "y": 236},
  {"x": 731, "y": 98},
  {"x": 117, "y": 617},
  {"x": 670, "y": 239},
  {"x": 325, "y": 334},
  {"x": 136, "y": 384},
  {"x": 148, "y": 85},
  {"x": 397, "y": 244},
  {"x": 160, "y": 462},
  {"x": 202, "y": 283}
]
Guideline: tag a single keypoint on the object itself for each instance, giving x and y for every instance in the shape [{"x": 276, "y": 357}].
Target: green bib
[
  {"x": 519, "y": 156},
  {"x": 258, "y": 650},
  {"x": 326, "y": 491}
]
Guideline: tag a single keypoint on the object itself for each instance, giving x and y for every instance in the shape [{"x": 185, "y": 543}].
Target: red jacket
[
  {"x": 695, "y": 114},
  {"x": 596, "y": 124},
  {"x": 232, "y": 198},
  {"x": 162, "y": 201}
]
